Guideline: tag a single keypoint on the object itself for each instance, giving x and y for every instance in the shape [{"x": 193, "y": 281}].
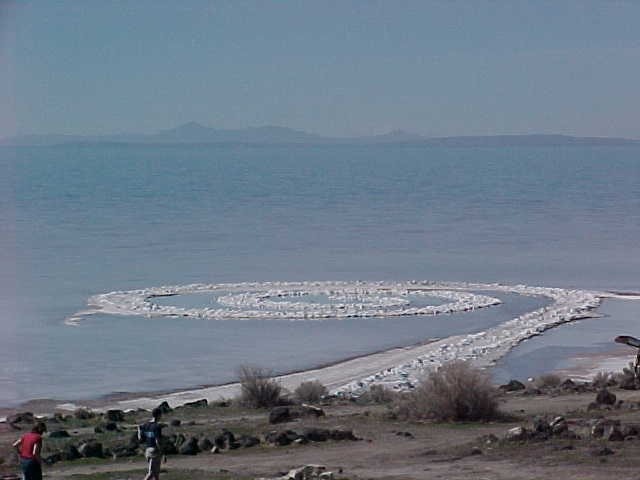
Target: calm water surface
[{"x": 81, "y": 220}]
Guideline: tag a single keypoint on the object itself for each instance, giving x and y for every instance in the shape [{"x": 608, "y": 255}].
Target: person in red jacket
[{"x": 29, "y": 447}]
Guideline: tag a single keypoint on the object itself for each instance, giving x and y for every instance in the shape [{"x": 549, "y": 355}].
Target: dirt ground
[{"x": 387, "y": 449}]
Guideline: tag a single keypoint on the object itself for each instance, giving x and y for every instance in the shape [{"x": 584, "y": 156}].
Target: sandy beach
[{"x": 585, "y": 367}]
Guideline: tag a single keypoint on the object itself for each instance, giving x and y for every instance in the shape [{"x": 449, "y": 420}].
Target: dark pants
[{"x": 31, "y": 469}]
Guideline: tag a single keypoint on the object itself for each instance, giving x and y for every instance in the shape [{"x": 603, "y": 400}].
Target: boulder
[
  {"x": 578, "y": 387},
  {"x": 516, "y": 434},
  {"x": 124, "y": 451},
  {"x": 91, "y": 449},
  {"x": 175, "y": 422},
  {"x": 247, "y": 441},
  {"x": 70, "y": 452},
  {"x": 205, "y": 445},
  {"x": 197, "y": 404},
  {"x": 316, "y": 434},
  {"x": 59, "y": 434},
  {"x": 110, "y": 426},
  {"x": 165, "y": 408},
  {"x": 83, "y": 414},
  {"x": 541, "y": 426},
  {"x": 178, "y": 439},
  {"x": 605, "y": 397},
  {"x": 628, "y": 382},
  {"x": 560, "y": 429},
  {"x": 280, "y": 415},
  {"x": 599, "y": 452},
  {"x": 337, "y": 434},
  {"x": 488, "y": 439},
  {"x": 189, "y": 447},
  {"x": 115, "y": 415},
  {"x": 311, "y": 411},
  {"x": 602, "y": 427},
  {"x": 281, "y": 438},
  {"x": 613, "y": 433},
  {"x": 308, "y": 472},
  {"x": 53, "y": 458},
  {"x": 593, "y": 406},
  {"x": 225, "y": 440},
  {"x": 168, "y": 446},
  {"x": 296, "y": 474},
  {"x": 23, "y": 417},
  {"x": 512, "y": 386},
  {"x": 58, "y": 418}
]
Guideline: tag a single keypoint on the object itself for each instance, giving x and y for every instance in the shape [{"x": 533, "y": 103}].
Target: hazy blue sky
[{"x": 329, "y": 67}]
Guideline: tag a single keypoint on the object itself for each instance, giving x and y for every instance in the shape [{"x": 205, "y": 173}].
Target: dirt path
[
  {"x": 394, "y": 450},
  {"x": 364, "y": 460}
]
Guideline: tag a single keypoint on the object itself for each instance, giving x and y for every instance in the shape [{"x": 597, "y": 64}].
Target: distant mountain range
[{"x": 195, "y": 133}]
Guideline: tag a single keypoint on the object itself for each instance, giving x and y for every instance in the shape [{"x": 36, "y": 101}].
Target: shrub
[
  {"x": 378, "y": 394},
  {"x": 627, "y": 378},
  {"x": 549, "y": 380},
  {"x": 455, "y": 391},
  {"x": 310, "y": 392},
  {"x": 258, "y": 389},
  {"x": 83, "y": 414},
  {"x": 603, "y": 379}
]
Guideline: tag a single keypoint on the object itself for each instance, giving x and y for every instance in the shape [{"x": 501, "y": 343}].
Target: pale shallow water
[
  {"x": 77, "y": 221},
  {"x": 564, "y": 347}
]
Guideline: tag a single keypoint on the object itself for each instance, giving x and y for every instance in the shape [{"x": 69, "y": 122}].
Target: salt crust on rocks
[{"x": 265, "y": 301}]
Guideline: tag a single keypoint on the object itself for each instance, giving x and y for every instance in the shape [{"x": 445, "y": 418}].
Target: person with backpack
[{"x": 150, "y": 435}]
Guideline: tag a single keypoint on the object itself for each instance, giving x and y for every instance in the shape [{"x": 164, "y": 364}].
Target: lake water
[{"x": 80, "y": 220}]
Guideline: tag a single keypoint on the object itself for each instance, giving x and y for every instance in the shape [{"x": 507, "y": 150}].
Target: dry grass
[{"x": 455, "y": 391}]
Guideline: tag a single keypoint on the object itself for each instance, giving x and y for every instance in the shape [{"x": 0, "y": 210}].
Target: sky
[{"x": 333, "y": 67}]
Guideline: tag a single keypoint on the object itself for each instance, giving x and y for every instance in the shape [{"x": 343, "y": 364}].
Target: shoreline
[
  {"x": 101, "y": 402},
  {"x": 196, "y": 393},
  {"x": 398, "y": 367}
]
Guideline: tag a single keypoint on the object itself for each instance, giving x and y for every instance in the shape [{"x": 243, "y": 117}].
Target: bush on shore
[
  {"x": 379, "y": 394},
  {"x": 310, "y": 392},
  {"x": 547, "y": 381},
  {"x": 603, "y": 379},
  {"x": 258, "y": 388},
  {"x": 455, "y": 391},
  {"x": 627, "y": 378}
]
